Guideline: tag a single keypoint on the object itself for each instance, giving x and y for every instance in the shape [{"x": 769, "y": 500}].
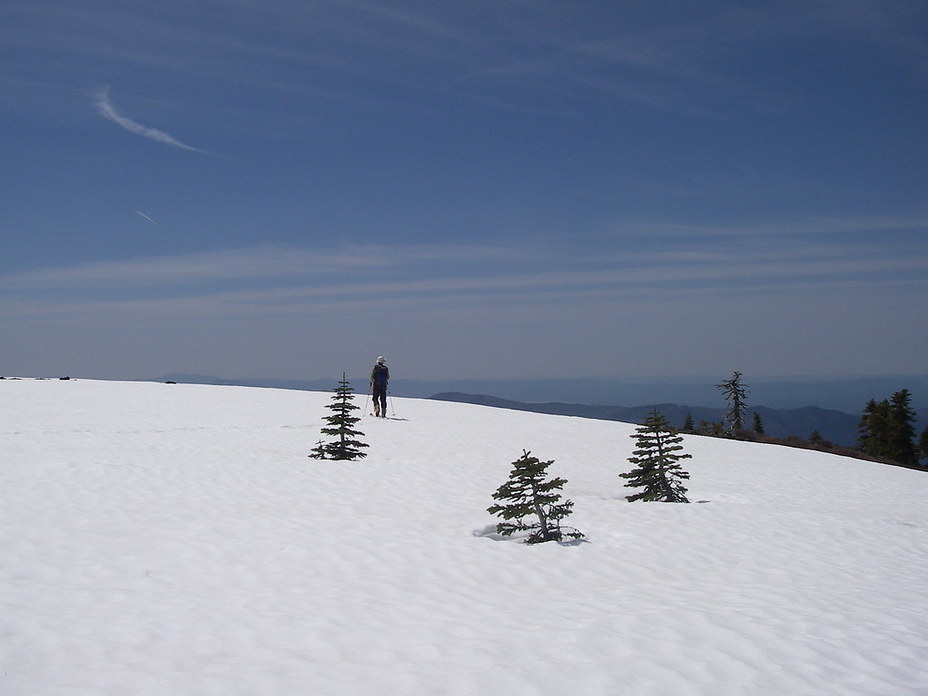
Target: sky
[{"x": 477, "y": 190}]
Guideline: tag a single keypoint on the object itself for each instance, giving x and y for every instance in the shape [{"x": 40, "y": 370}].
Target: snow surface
[{"x": 177, "y": 539}]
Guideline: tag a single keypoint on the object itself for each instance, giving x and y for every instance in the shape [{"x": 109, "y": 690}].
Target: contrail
[
  {"x": 107, "y": 111},
  {"x": 146, "y": 217}
]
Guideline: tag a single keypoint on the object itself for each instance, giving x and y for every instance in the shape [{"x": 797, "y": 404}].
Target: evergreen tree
[
  {"x": 688, "y": 425},
  {"x": 341, "y": 427},
  {"x": 655, "y": 459},
  {"x": 873, "y": 427},
  {"x": 902, "y": 432},
  {"x": 710, "y": 428},
  {"x": 923, "y": 446},
  {"x": 534, "y": 504},
  {"x": 887, "y": 429},
  {"x": 758, "y": 425},
  {"x": 736, "y": 395}
]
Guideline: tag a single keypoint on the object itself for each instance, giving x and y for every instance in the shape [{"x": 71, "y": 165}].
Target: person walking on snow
[{"x": 380, "y": 376}]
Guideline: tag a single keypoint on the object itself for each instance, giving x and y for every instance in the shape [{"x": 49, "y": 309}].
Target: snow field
[{"x": 177, "y": 539}]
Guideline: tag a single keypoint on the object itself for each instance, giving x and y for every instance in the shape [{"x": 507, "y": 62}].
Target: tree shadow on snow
[{"x": 489, "y": 532}]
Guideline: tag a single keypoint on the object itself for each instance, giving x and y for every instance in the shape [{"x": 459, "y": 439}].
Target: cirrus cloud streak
[{"x": 108, "y": 111}]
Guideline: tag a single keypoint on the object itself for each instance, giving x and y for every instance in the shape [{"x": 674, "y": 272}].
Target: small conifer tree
[
  {"x": 532, "y": 504},
  {"x": 341, "y": 426},
  {"x": 655, "y": 459}
]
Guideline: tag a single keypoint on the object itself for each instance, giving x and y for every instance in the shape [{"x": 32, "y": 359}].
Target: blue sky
[{"x": 473, "y": 189}]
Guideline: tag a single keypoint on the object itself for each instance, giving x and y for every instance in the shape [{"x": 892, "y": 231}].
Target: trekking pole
[
  {"x": 392, "y": 409},
  {"x": 367, "y": 398}
]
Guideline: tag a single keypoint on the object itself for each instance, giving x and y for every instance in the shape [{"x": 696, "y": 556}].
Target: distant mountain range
[
  {"x": 787, "y": 406},
  {"x": 836, "y": 426}
]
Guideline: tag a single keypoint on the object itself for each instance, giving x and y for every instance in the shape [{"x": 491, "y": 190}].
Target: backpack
[{"x": 381, "y": 374}]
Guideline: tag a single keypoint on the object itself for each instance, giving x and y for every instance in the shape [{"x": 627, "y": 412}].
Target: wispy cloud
[
  {"x": 139, "y": 212},
  {"x": 268, "y": 263},
  {"x": 272, "y": 275},
  {"x": 828, "y": 227},
  {"x": 108, "y": 111}
]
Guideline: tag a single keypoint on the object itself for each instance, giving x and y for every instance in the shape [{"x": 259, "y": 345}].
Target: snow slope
[{"x": 176, "y": 539}]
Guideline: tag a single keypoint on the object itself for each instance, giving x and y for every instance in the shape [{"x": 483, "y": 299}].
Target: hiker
[{"x": 380, "y": 376}]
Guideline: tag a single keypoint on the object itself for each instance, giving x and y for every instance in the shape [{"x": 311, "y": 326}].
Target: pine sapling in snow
[
  {"x": 656, "y": 471},
  {"x": 341, "y": 423},
  {"x": 532, "y": 504}
]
